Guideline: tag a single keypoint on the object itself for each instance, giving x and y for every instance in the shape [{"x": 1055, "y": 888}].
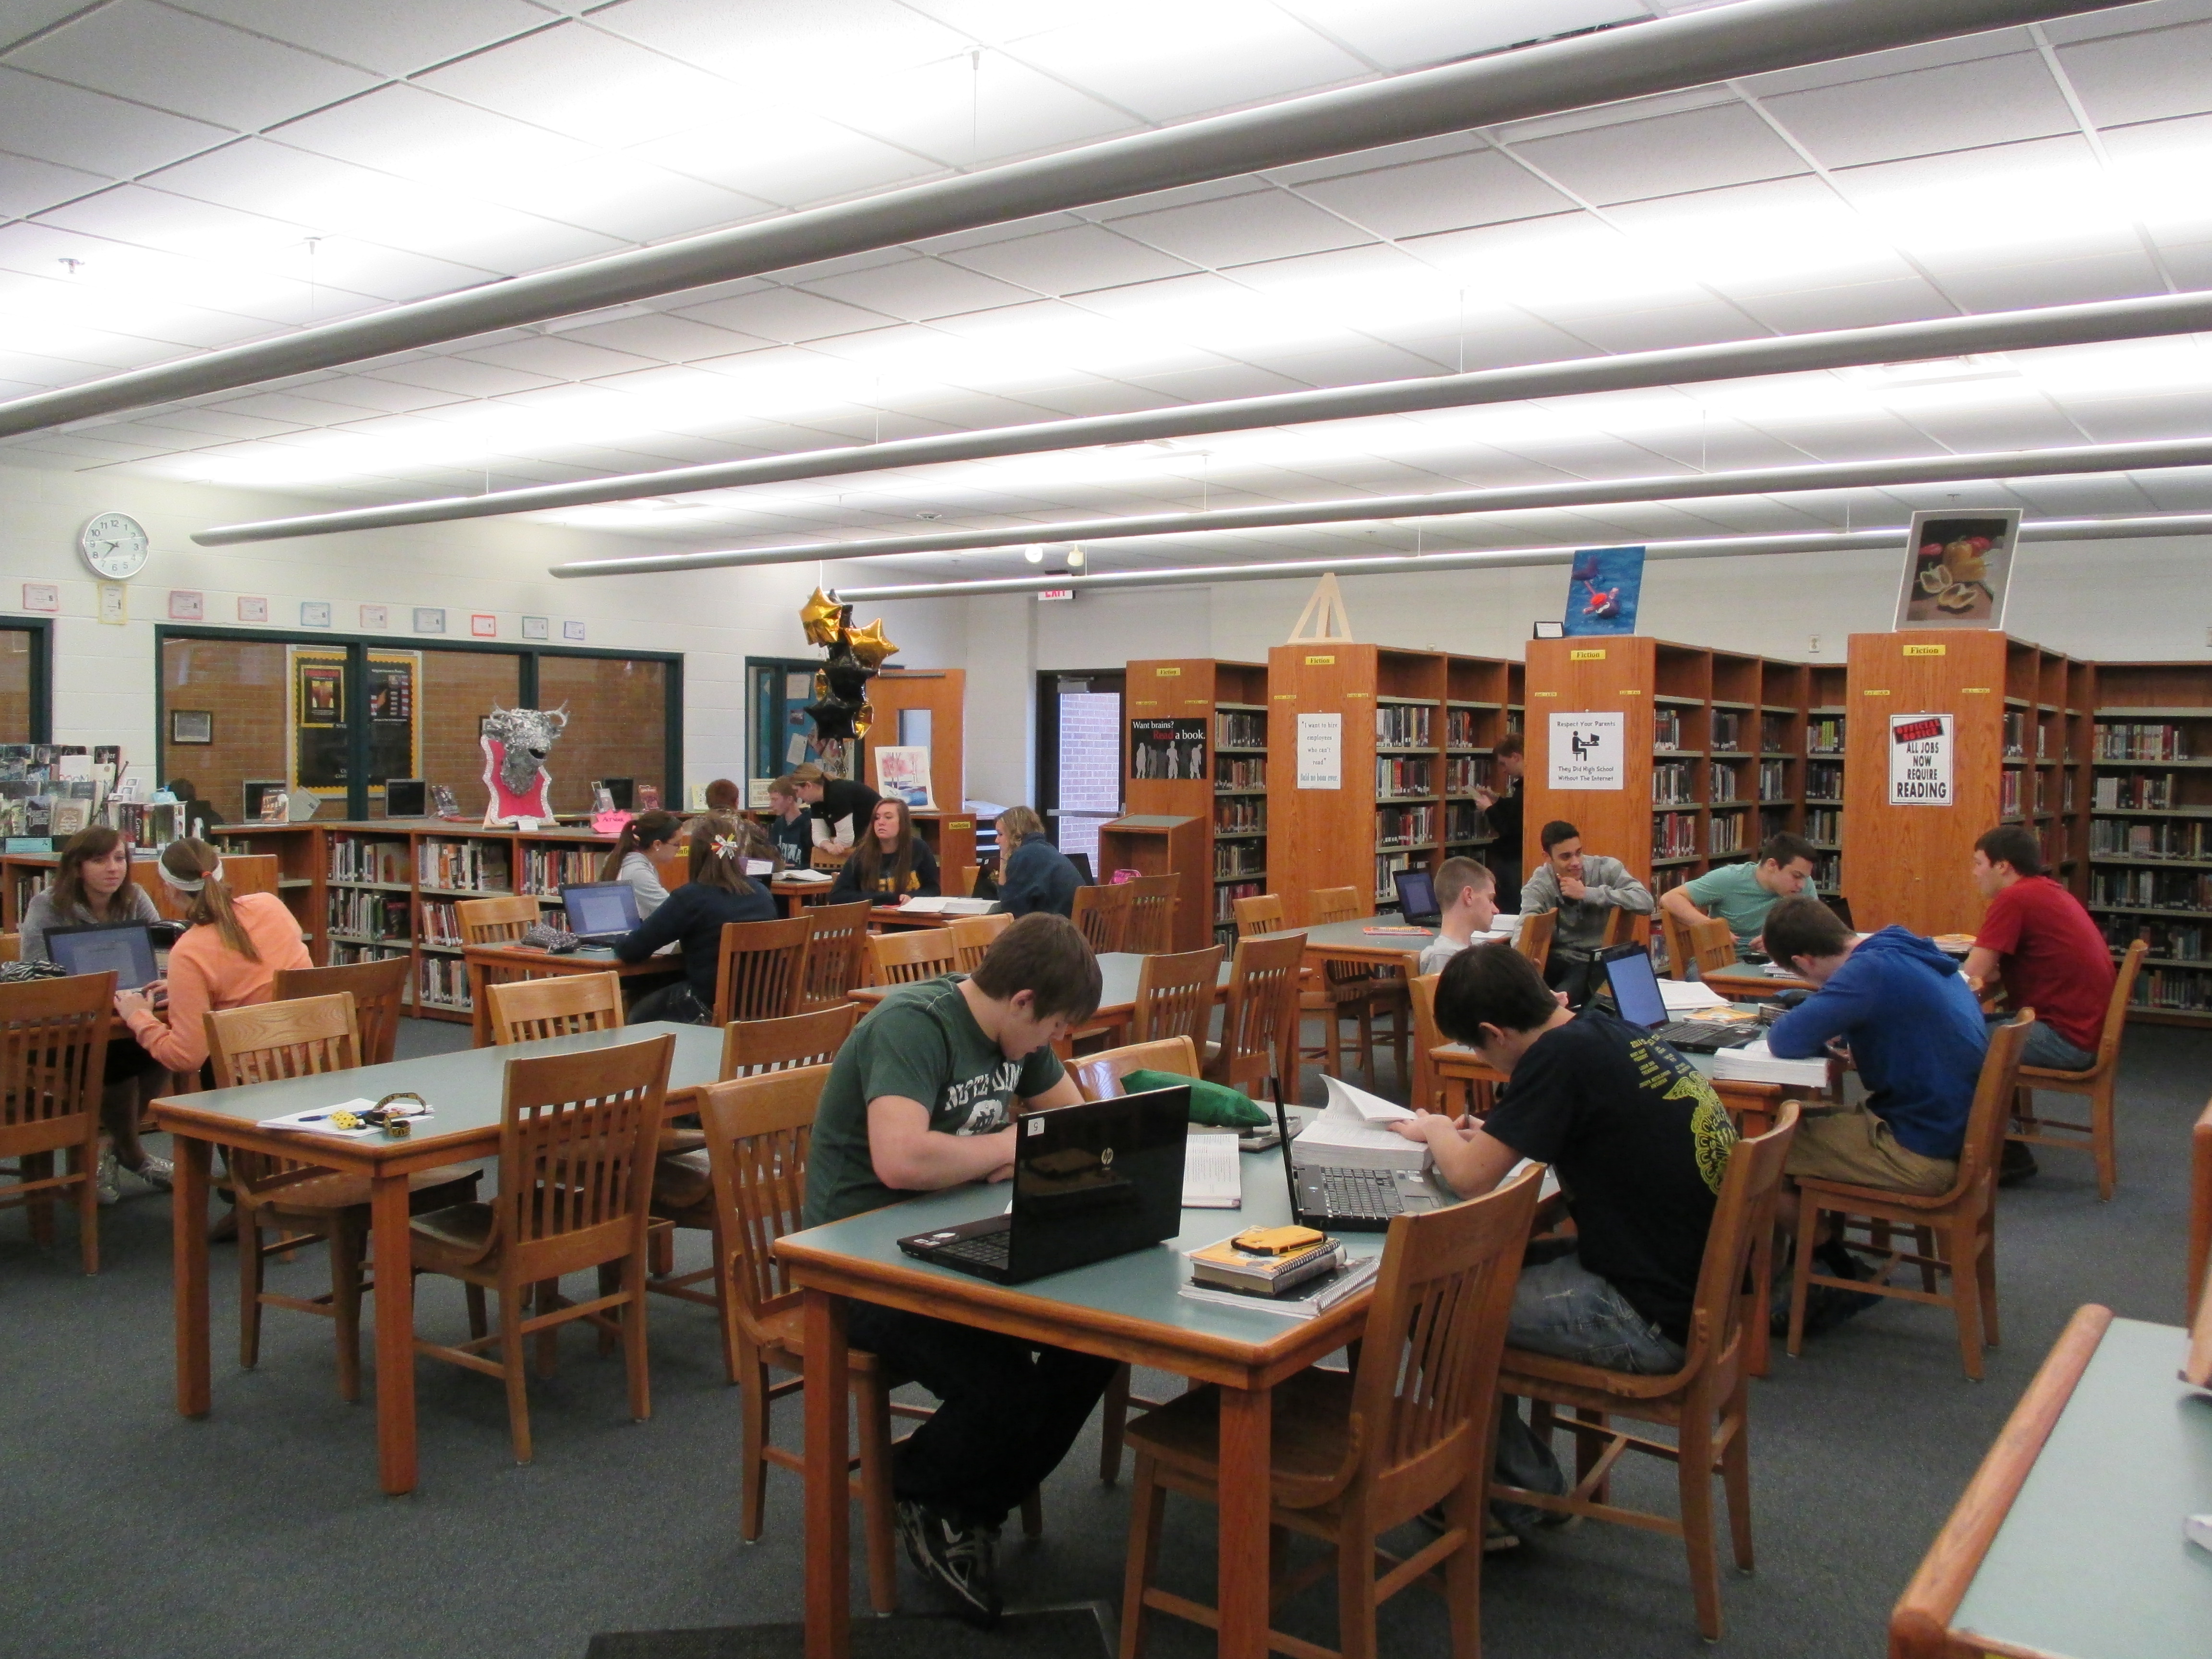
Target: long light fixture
[
  {"x": 1666, "y": 54},
  {"x": 1888, "y": 538},
  {"x": 1845, "y": 348},
  {"x": 1457, "y": 503}
]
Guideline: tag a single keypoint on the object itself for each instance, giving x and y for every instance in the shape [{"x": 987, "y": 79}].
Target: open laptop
[
  {"x": 1082, "y": 863},
  {"x": 599, "y": 912},
  {"x": 1840, "y": 907},
  {"x": 1636, "y": 996},
  {"x": 125, "y": 947},
  {"x": 1353, "y": 1200},
  {"x": 1091, "y": 1182},
  {"x": 1416, "y": 898}
]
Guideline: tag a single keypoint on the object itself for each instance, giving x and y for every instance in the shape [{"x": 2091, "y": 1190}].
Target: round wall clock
[{"x": 115, "y": 545}]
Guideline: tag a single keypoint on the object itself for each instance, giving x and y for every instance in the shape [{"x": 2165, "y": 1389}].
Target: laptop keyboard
[
  {"x": 987, "y": 1251},
  {"x": 1707, "y": 1034},
  {"x": 1359, "y": 1192}
]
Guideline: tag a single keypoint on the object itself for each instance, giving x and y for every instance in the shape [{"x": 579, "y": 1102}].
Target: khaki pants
[{"x": 1849, "y": 1144}]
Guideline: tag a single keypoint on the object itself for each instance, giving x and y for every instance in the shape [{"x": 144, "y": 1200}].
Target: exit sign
[{"x": 1046, "y": 595}]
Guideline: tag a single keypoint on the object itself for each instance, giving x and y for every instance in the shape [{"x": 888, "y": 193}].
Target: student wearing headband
[
  {"x": 718, "y": 891},
  {"x": 229, "y": 956}
]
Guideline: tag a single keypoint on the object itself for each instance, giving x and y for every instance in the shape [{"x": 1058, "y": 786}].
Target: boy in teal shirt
[{"x": 1741, "y": 894}]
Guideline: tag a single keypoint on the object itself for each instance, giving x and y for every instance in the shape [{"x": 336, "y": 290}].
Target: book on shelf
[
  {"x": 1402, "y": 725},
  {"x": 1824, "y": 781},
  {"x": 2142, "y": 792},
  {"x": 2173, "y": 940},
  {"x": 1240, "y": 858},
  {"x": 351, "y": 857},
  {"x": 1465, "y": 774},
  {"x": 1727, "y": 731},
  {"x": 1387, "y": 865},
  {"x": 1463, "y": 824},
  {"x": 2015, "y": 733},
  {"x": 439, "y": 925},
  {"x": 1225, "y": 897},
  {"x": 1666, "y": 729},
  {"x": 1724, "y": 833},
  {"x": 1239, "y": 771},
  {"x": 2173, "y": 990},
  {"x": 1240, "y": 812},
  {"x": 2173, "y": 838},
  {"x": 1404, "y": 774},
  {"x": 369, "y": 913},
  {"x": 1674, "y": 783},
  {"x": 1459, "y": 728},
  {"x": 1774, "y": 780},
  {"x": 1773, "y": 734},
  {"x": 1824, "y": 735},
  {"x": 1238, "y": 728},
  {"x": 2155, "y": 890},
  {"x": 1674, "y": 834},
  {"x": 1726, "y": 777},
  {"x": 443, "y": 982},
  {"x": 2132, "y": 740},
  {"x": 472, "y": 866},
  {"x": 2008, "y": 793},
  {"x": 1406, "y": 826},
  {"x": 546, "y": 870}
]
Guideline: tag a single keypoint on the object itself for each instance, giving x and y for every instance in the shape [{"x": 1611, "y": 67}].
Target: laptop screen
[
  {"x": 1636, "y": 990},
  {"x": 1416, "y": 894},
  {"x": 126, "y": 947},
  {"x": 600, "y": 907}
]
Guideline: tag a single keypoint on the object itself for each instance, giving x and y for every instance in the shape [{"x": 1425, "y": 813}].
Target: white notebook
[{"x": 1212, "y": 1178}]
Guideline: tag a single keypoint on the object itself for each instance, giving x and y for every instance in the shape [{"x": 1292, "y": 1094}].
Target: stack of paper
[
  {"x": 950, "y": 906},
  {"x": 823, "y": 876},
  {"x": 1354, "y": 1132},
  {"x": 1684, "y": 996},
  {"x": 1756, "y": 1063},
  {"x": 1212, "y": 1176}
]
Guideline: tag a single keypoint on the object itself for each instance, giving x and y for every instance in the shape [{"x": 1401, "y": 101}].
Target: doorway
[{"x": 1080, "y": 767}]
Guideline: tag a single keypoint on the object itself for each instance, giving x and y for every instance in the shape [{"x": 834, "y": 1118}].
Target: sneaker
[
  {"x": 956, "y": 1558},
  {"x": 156, "y": 1172},
  {"x": 110, "y": 1192},
  {"x": 2017, "y": 1165}
]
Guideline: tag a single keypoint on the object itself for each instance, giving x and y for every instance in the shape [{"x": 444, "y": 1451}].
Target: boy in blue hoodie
[{"x": 1914, "y": 1033}]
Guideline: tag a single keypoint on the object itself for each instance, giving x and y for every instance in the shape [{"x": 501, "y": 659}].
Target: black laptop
[
  {"x": 1091, "y": 1182},
  {"x": 1416, "y": 898},
  {"x": 1082, "y": 863},
  {"x": 1840, "y": 907},
  {"x": 1639, "y": 1001},
  {"x": 126, "y": 948},
  {"x": 599, "y": 912}
]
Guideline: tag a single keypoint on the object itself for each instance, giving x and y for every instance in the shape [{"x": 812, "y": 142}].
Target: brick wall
[
  {"x": 458, "y": 690},
  {"x": 1090, "y": 768},
  {"x": 241, "y": 683},
  {"x": 617, "y": 725}
]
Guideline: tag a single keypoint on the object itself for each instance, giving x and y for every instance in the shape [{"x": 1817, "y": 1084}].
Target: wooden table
[
  {"x": 467, "y": 1090},
  {"x": 1118, "y": 971},
  {"x": 502, "y": 964},
  {"x": 1745, "y": 982},
  {"x": 796, "y": 895},
  {"x": 1128, "y": 1309},
  {"x": 1350, "y": 941},
  {"x": 2068, "y": 1543}
]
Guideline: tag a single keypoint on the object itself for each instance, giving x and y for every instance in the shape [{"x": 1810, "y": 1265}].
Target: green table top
[
  {"x": 2090, "y": 1562},
  {"x": 465, "y": 1089},
  {"x": 1354, "y": 932}
]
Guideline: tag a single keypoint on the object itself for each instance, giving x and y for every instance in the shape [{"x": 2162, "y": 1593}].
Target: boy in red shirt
[{"x": 2037, "y": 939}]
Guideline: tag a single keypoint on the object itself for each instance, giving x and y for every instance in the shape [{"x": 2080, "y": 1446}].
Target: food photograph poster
[{"x": 1958, "y": 568}]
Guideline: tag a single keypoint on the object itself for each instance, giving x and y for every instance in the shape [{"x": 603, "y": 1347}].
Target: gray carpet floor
[{"x": 125, "y": 1529}]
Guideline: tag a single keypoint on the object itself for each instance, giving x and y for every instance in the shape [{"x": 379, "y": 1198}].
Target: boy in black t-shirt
[{"x": 1639, "y": 1140}]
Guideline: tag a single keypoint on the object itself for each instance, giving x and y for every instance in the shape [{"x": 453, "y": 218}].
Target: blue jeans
[
  {"x": 2047, "y": 1048},
  {"x": 1562, "y": 1309}
]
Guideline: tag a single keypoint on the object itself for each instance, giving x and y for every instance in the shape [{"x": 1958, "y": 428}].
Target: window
[
  {"x": 23, "y": 684},
  {"x": 617, "y": 725}
]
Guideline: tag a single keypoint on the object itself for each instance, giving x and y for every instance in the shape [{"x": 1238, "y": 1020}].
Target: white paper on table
[
  {"x": 314, "y": 1121},
  {"x": 1755, "y": 1062},
  {"x": 1359, "y": 1106},
  {"x": 1212, "y": 1178},
  {"x": 1681, "y": 995},
  {"x": 807, "y": 875}
]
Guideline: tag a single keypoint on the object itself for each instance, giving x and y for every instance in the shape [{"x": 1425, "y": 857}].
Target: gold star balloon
[
  {"x": 863, "y": 718},
  {"x": 868, "y": 644},
  {"x": 821, "y": 618}
]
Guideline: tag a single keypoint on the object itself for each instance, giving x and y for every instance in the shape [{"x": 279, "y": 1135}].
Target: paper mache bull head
[{"x": 516, "y": 742}]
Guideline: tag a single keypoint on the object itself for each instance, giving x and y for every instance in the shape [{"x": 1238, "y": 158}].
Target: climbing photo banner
[
  {"x": 1602, "y": 590},
  {"x": 1920, "y": 753}
]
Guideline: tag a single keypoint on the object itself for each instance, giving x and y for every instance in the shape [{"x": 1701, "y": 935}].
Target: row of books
[
  {"x": 370, "y": 913},
  {"x": 1463, "y": 824},
  {"x": 1774, "y": 780},
  {"x": 2182, "y": 941},
  {"x": 1824, "y": 735},
  {"x": 2160, "y": 890},
  {"x": 1239, "y": 771},
  {"x": 344, "y": 951},
  {"x": 1240, "y": 812},
  {"x": 2173, "y": 990},
  {"x": 2144, "y": 792},
  {"x": 2143, "y": 740},
  {"x": 1668, "y": 877},
  {"x": 439, "y": 925},
  {"x": 443, "y": 982},
  {"x": 1674, "y": 783},
  {"x": 1225, "y": 897},
  {"x": 1402, "y": 725},
  {"x": 2015, "y": 733},
  {"x": 1240, "y": 858},
  {"x": 1459, "y": 729},
  {"x": 1406, "y": 826},
  {"x": 2008, "y": 793},
  {"x": 1465, "y": 774},
  {"x": 2170, "y": 838},
  {"x": 1824, "y": 781},
  {"x": 1239, "y": 728},
  {"x": 1727, "y": 731},
  {"x": 1405, "y": 775},
  {"x": 149, "y": 823},
  {"x": 1823, "y": 824},
  {"x": 357, "y": 858},
  {"x": 1674, "y": 834},
  {"x": 471, "y": 867},
  {"x": 1828, "y": 873},
  {"x": 1388, "y": 865},
  {"x": 1666, "y": 729},
  {"x": 1724, "y": 833},
  {"x": 547, "y": 869},
  {"x": 2011, "y": 792},
  {"x": 1726, "y": 781}
]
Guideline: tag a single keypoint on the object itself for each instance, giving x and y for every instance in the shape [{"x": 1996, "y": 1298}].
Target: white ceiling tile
[
  {"x": 791, "y": 159},
  {"x": 1378, "y": 159},
  {"x": 1860, "y": 305},
  {"x": 671, "y": 339},
  {"x": 1994, "y": 100},
  {"x": 2054, "y": 283},
  {"x": 1403, "y": 34},
  {"x": 27, "y": 186},
  {"x": 1476, "y": 187},
  {"x": 1266, "y": 224},
  {"x": 787, "y": 315},
  {"x": 559, "y": 358},
  {"x": 2125, "y": 19},
  {"x": 364, "y": 391},
  {"x": 581, "y": 81},
  {"x": 1207, "y": 385},
  {"x": 1902, "y": 60},
  {"x": 464, "y": 375},
  {"x": 758, "y": 43},
  {"x": 21, "y": 19},
  {"x": 1698, "y": 149},
  {"x": 969, "y": 111},
  {"x": 75, "y": 128},
  {"x": 918, "y": 290},
  {"x": 1223, "y": 53},
  {"x": 2142, "y": 77},
  {"x": 1073, "y": 261},
  {"x": 173, "y": 61},
  {"x": 395, "y": 40}
]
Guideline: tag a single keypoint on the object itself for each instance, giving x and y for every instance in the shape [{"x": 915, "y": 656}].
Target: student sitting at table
[
  {"x": 788, "y": 825},
  {"x": 891, "y": 864},
  {"x": 721, "y": 796},
  {"x": 645, "y": 838},
  {"x": 1467, "y": 897},
  {"x": 1741, "y": 894},
  {"x": 1033, "y": 873},
  {"x": 921, "y": 1097},
  {"x": 1914, "y": 1031},
  {"x": 1584, "y": 888},
  {"x": 1640, "y": 1141},
  {"x": 717, "y": 891}
]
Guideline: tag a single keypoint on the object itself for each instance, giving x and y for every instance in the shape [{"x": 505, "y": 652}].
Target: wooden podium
[{"x": 1158, "y": 844}]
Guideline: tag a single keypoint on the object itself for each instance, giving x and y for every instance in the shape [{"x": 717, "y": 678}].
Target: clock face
[{"x": 114, "y": 546}]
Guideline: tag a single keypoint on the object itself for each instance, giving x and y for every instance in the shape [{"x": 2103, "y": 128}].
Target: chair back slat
[
  {"x": 912, "y": 954},
  {"x": 1101, "y": 914},
  {"x": 1712, "y": 944},
  {"x": 1098, "y": 1076},
  {"x": 1175, "y": 995},
  {"x": 973, "y": 936},
  {"x": 1428, "y": 1090},
  {"x": 53, "y": 1058},
  {"x": 1261, "y": 1018},
  {"x": 1330, "y": 904},
  {"x": 837, "y": 952},
  {"x": 1990, "y": 1115},
  {"x": 265, "y": 1042},
  {"x": 1626, "y": 927},
  {"x": 762, "y": 973},
  {"x": 577, "y": 1138},
  {"x": 379, "y": 989},
  {"x": 759, "y": 1130},
  {"x": 1262, "y": 913},
  {"x": 1150, "y": 926},
  {"x": 751, "y": 1046},
  {"x": 2115, "y": 1010},
  {"x": 566, "y": 1005},
  {"x": 496, "y": 920},
  {"x": 1535, "y": 940},
  {"x": 1677, "y": 939}
]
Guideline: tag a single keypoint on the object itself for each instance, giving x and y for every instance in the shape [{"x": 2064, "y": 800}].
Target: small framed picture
[
  {"x": 191, "y": 725},
  {"x": 429, "y": 619},
  {"x": 484, "y": 626},
  {"x": 315, "y": 613},
  {"x": 376, "y": 615},
  {"x": 252, "y": 611},
  {"x": 47, "y": 596},
  {"x": 186, "y": 604},
  {"x": 536, "y": 628},
  {"x": 115, "y": 603},
  {"x": 573, "y": 630}
]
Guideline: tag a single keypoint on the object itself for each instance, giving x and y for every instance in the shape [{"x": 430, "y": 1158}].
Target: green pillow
[{"x": 1214, "y": 1104}]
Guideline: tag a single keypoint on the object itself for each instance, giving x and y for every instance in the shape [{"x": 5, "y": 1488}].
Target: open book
[
  {"x": 1354, "y": 1132},
  {"x": 950, "y": 906}
]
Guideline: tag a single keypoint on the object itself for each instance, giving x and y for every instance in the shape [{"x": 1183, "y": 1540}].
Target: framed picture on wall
[
  {"x": 322, "y": 693},
  {"x": 191, "y": 725},
  {"x": 314, "y": 613},
  {"x": 536, "y": 628},
  {"x": 429, "y": 619}
]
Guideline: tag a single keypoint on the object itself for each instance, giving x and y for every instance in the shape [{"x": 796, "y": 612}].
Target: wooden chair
[
  {"x": 1626, "y": 927},
  {"x": 1258, "y": 1032},
  {"x": 526, "y": 1010},
  {"x": 53, "y": 1057},
  {"x": 1359, "y": 990},
  {"x": 496, "y": 920},
  {"x": 2098, "y": 1083},
  {"x": 1535, "y": 941},
  {"x": 1151, "y": 927},
  {"x": 379, "y": 990},
  {"x": 1356, "y": 1454},
  {"x": 762, "y": 971},
  {"x": 969, "y": 873},
  {"x": 1098, "y": 1076},
  {"x": 1712, "y": 944},
  {"x": 1431, "y": 1093},
  {"x": 1261, "y": 913},
  {"x": 973, "y": 935},
  {"x": 299, "y": 1203},
  {"x": 836, "y": 953},
  {"x": 1175, "y": 995},
  {"x": 11, "y": 947},
  {"x": 1677, "y": 939},
  {"x": 1706, "y": 1402},
  {"x": 1103, "y": 914},
  {"x": 575, "y": 1169},
  {"x": 2200, "y": 1209},
  {"x": 912, "y": 954},
  {"x": 1964, "y": 1217},
  {"x": 772, "y": 1045}
]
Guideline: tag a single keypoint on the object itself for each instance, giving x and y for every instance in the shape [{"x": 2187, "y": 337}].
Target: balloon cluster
[{"x": 840, "y": 708}]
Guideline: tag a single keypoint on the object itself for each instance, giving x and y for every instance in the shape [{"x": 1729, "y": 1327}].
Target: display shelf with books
[{"x": 1221, "y": 708}]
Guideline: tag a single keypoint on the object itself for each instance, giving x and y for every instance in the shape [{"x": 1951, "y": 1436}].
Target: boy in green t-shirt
[
  {"x": 923, "y": 1096},
  {"x": 1741, "y": 894}
]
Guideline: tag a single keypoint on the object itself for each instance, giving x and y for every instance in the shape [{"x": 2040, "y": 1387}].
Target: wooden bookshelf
[
  {"x": 1228, "y": 799},
  {"x": 1827, "y": 751},
  {"x": 1482, "y": 703}
]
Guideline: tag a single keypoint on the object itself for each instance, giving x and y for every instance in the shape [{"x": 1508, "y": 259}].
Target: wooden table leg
[
  {"x": 395, "y": 1334},
  {"x": 828, "y": 1502},
  {"x": 1246, "y": 1426},
  {"x": 188, "y": 1208}
]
